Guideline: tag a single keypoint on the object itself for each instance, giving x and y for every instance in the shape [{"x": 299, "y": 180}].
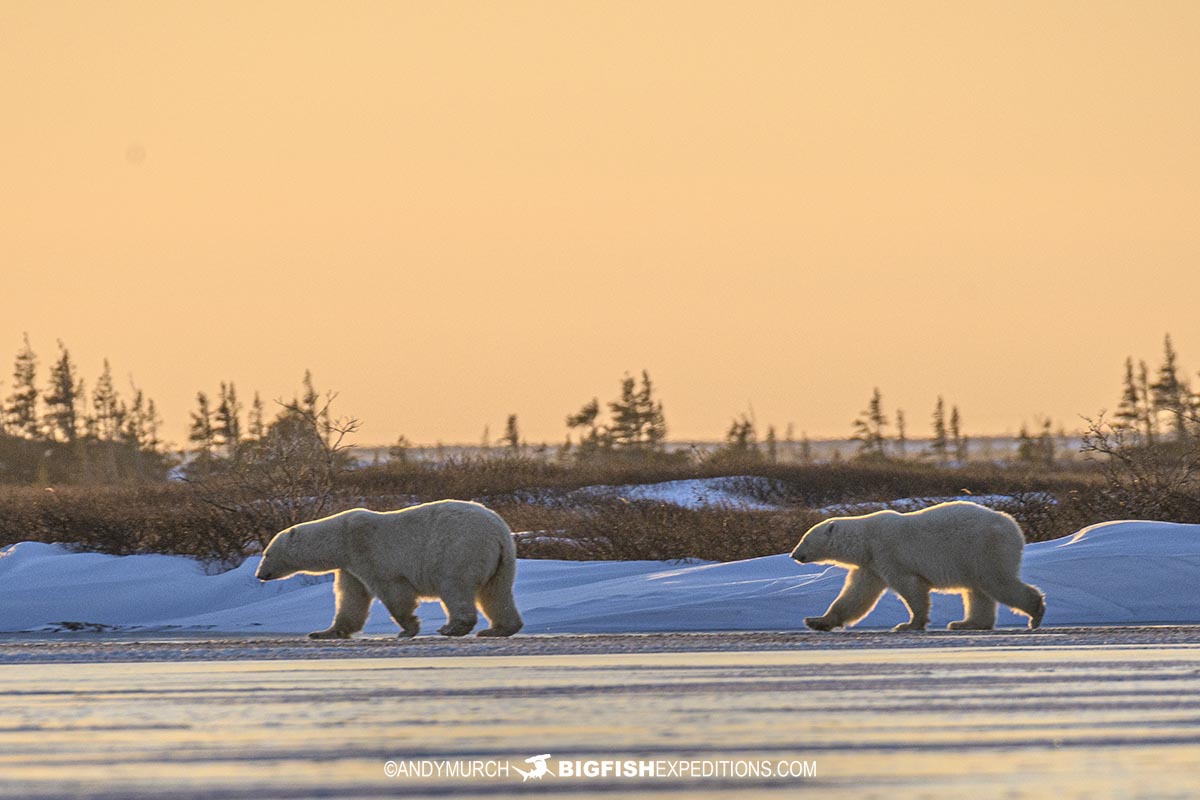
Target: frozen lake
[{"x": 1063, "y": 713}]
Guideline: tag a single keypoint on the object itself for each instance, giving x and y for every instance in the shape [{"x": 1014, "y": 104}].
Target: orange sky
[{"x": 453, "y": 212}]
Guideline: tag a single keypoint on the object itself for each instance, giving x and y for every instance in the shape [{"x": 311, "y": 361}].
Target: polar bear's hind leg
[
  {"x": 980, "y": 612},
  {"x": 1019, "y": 597},
  {"x": 460, "y": 612},
  {"x": 495, "y": 599},
  {"x": 400, "y": 599}
]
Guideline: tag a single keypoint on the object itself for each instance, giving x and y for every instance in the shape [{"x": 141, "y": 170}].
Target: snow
[
  {"x": 1129, "y": 572},
  {"x": 695, "y": 493},
  {"x": 907, "y": 504}
]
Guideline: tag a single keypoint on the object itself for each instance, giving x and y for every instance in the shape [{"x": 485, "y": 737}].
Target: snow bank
[
  {"x": 696, "y": 493},
  {"x": 1114, "y": 573}
]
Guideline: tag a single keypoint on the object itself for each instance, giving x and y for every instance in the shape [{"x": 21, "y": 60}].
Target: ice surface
[{"x": 1115, "y": 573}]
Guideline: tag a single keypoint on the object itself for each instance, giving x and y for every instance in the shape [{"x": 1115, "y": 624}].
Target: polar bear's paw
[
  {"x": 968, "y": 625},
  {"x": 909, "y": 626},
  {"x": 456, "y": 628},
  {"x": 819, "y": 623},
  {"x": 497, "y": 632},
  {"x": 1035, "y": 619},
  {"x": 329, "y": 633}
]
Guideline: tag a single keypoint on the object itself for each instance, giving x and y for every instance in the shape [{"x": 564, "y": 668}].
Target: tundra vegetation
[{"x": 91, "y": 468}]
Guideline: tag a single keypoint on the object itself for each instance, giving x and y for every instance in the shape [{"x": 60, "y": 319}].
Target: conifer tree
[
  {"x": 939, "y": 444},
  {"x": 869, "y": 427},
  {"x": 1046, "y": 443},
  {"x": 152, "y": 421},
  {"x": 652, "y": 423},
  {"x": 106, "y": 413},
  {"x": 227, "y": 429},
  {"x": 772, "y": 448},
  {"x": 398, "y": 452},
  {"x": 626, "y": 422},
  {"x": 1169, "y": 393},
  {"x": 741, "y": 437},
  {"x": 1026, "y": 447},
  {"x": 62, "y": 398},
  {"x": 255, "y": 424},
  {"x": 202, "y": 433},
  {"x": 956, "y": 436},
  {"x": 901, "y": 434},
  {"x": 1150, "y": 417},
  {"x": 21, "y": 407},
  {"x": 591, "y": 437},
  {"x": 512, "y": 434},
  {"x": 1129, "y": 410}
]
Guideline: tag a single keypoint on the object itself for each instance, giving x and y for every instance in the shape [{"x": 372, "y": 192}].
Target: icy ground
[
  {"x": 1114, "y": 573},
  {"x": 1032, "y": 715}
]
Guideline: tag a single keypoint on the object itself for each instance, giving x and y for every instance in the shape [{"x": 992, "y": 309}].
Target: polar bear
[
  {"x": 957, "y": 547},
  {"x": 458, "y": 552}
]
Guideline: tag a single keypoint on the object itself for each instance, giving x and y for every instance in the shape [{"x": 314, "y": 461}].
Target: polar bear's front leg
[
  {"x": 914, "y": 591},
  {"x": 859, "y": 594},
  {"x": 353, "y": 605}
]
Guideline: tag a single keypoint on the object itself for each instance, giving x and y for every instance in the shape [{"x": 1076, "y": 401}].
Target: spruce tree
[
  {"x": 1129, "y": 410},
  {"x": 21, "y": 407},
  {"x": 228, "y": 426},
  {"x": 1046, "y": 444},
  {"x": 1026, "y": 447},
  {"x": 1149, "y": 418},
  {"x": 202, "y": 434},
  {"x": 741, "y": 437},
  {"x": 586, "y": 421},
  {"x": 512, "y": 434},
  {"x": 105, "y": 407},
  {"x": 1169, "y": 393},
  {"x": 133, "y": 429},
  {"x": 938, "y": 444},
  {"x": 62, "y": 398},
  {"x": 901, "y": 434},
  {"x": 652, "y": 423},
  {"x": 626, "y": 418},
  {"x": 869, "y": 427},
  {"x": 255, "y": 424},
  {"x": 956, "y": 436}
]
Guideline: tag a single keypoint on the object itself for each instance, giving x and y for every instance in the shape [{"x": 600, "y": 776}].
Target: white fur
[
  {"x": 955, "y": 547},
  {"x": 458, "y": 552}
]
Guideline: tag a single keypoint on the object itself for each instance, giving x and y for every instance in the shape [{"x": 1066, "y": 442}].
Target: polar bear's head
[
  {"x": 843, "y": 541},
  {"x": 276, "y": 562},
  {"x": 818, "y": 544}
]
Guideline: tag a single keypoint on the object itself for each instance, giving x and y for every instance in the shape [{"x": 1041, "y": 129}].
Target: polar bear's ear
[{"x": 832, "y": 526}]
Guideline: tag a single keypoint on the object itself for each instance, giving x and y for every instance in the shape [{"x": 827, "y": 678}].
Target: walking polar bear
[
  {"x": 458, "y": 552},
  {"x": 956, "y": 547}
]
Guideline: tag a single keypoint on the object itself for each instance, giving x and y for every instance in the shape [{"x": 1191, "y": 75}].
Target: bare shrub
[
  {"x": 1144, "y": 478},
  {"x": 291, "y": 475}
]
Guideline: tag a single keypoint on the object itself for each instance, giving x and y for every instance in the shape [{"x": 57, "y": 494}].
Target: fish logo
[{"x": 539, "y": 768}]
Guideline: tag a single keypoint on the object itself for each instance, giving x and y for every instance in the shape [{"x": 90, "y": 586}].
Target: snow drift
[{"x": 1113, "y": 573}]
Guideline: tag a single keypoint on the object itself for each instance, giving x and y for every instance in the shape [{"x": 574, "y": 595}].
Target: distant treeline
[{"x": 64, "y": 431}]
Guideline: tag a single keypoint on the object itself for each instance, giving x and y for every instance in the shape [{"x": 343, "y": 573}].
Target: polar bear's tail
[{"x": 496, "y": 596}]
